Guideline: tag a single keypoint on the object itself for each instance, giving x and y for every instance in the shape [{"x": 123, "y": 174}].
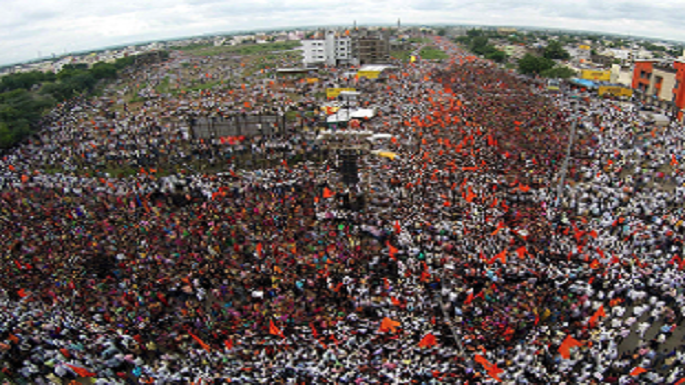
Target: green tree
[
  {"x": 554, "y": 50},
  {"x": 474, "y": 32},
  {"x": 534, "y": 65},
  {"x": 497, "y": 56},
  {"x": 104, "y": 71},
  {"x": 558, "y": 73}
]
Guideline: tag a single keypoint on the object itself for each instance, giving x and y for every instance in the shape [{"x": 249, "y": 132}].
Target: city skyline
[{"x": 47, "y": 27}]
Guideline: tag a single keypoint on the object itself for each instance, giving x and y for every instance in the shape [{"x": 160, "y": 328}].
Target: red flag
[
  {"x": 397, "y": 227},
  {"x": 229, "y": 344},
  {"x": 314, "y": 333},
  {"x": 81, "y": 371},
  {"x": 259, "y": 249},
  {"x": 327, "y": 193},
  {"x": 428, "y": 341},
  {"x": 637, "y": 371},
  {"x": 469, "y": 299},
  {"x": 681, "y": 381}
]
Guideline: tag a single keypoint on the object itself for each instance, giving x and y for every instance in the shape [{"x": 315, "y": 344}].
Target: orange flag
[
  {"x": 500, "y": 226},
  {"x": 428, "y": 341},
  {"x": 637, "y": 371},
  {"x": 502, "y": 257},
  {"x": 470, "y": 195},
  {"x": 599, "y": 313},
  {"x": 492, "y": 369},
  {"x": 388, "y": 325},
  {"x": 81, "y": 371},
  {"x": 199, "y": 341},
  {"x": 522, "y": 252},
  {"x": 274, "y": 330},
  {"x": 259, "y": 249},
  {"x": 392, "y": 250},
  {"x": 327, "y": 193},
  {"x": 565, "y": 348},
  {"x": 397, "y": 227}
]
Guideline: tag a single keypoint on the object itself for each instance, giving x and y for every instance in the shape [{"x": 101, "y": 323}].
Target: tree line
[
  {"x": 26, "y": 97},
  {"x": 478, "y": 42}
]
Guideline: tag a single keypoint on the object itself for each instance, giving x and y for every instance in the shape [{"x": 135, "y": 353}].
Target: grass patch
[
  {"x": 420, "y": 40},
  {"x": 243, "y": 49},
  {"x": 432, "y": 53},
  {"x": 401, "y": 55},
  {"x": 202, "y": 86},
  {"x": 163, "y": 86}
]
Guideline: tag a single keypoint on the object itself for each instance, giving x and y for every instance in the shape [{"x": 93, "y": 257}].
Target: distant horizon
[{"x": 124, "y": 44}]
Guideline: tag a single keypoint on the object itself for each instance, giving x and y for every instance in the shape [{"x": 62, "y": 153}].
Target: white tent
[{"x": 344, "y": 115}]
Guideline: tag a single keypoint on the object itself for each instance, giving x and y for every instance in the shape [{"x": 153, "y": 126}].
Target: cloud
[{"x": 54, "y": 26}]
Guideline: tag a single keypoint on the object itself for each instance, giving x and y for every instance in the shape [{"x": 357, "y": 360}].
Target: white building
[{"x": 332, "y": 50}]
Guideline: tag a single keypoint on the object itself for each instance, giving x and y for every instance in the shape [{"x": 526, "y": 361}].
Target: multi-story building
[
  {"x": 371, "y": 46},
  {"x": 333, "y": 50},
  {"x": 662, "y": 84}
]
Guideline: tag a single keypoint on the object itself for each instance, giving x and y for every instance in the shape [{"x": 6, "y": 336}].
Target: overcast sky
[{"x": 32, "y": 27}]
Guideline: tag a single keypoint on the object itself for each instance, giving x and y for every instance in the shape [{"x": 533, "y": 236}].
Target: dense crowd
[{"x": 465, "y": 265}]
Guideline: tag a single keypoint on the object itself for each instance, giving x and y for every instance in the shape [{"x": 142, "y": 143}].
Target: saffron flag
[
  {"x": 492, "y": 369},
  {"x": 428, "y": 341},
  {"x": 522, "y": 252},
  {"x": 275, "y": 330},
  {"x": 502, "y": 257},
  {"x": 199, "y": 341},
  {"x": 637, "y": 371},
  {"x": 565, "y": 348},
  {"x": 599, "y": 313},
  {"x": 327, "y": 193},
  {"x": 81, "y": 371},
  {"x": 388, "y": 325}
]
